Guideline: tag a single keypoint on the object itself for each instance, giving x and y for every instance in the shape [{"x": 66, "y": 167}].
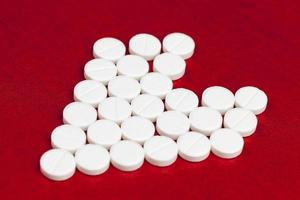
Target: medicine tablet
[
  {"x": 156, "y": 84},
  {"x": 133, "y": 66},
  {"x": 172, "y": 124},
  {"x": 240, "y": 120},
  {"x": 109, "y": 48},
  {"x": 179, "y": 44},
  {"x": 79, "y": 114},
  {"x": 100, "y": 70},
  {"x": 170, "y": 65},
  {"x": 127, "y": 155},
  {"x": 90, "y": 92},
  {"x": 252, "y": 99},
  {"x": 193, "y": 146},
  {"x": 115, "y": 109},
  {"x": 144, "y": 45},
  {"x": 57, "y": 164},
  {"x": 205, "y": 120},
  {"x": 160, "y": 151},
  {"x": 92, "y": 159},
  {"x": 226, "y": 143},
  {"x": 68, "y": 137},
  {"x": 147, "y": 106},
  {"x": 218, "y": 98},
  {"x": 182, "y": 100},
  {"x": 124, "y": 87},
  {"x": 137, "y": 129}
]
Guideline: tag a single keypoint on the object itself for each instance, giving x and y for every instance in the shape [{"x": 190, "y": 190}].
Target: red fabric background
[{"x": 45, "y": 44}]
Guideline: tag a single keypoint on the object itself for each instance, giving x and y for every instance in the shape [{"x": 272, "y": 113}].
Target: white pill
[
  {"x": 147, "y": 106},
  {"x": 172, "y": 124},
  {"x": 137, "y": 129},
  {"x": 133, "y": 66},
  {"x": 218, "y": 98},
  {"x": 104, "y": 132},
  {"x": 182, "y": 100},
  {"x": 109, "y": 48},
  {"x": 68, "y": 137},
  {"x": 144, "y": 45},
  {"x": 127, "y": 155},
  {"x": 92, "y": 159},
  {"x": 124, "y": 87},
  {"x": 115, "y": 109},
  {"x": 179, "y": 44},
  {"x": 226, "y": 143},
  {"x": 193, "y": 146},
  {"x": 205, "y": 120},
  {"x": 240, "y": 120},
  {"x": 156, "y": 84},
  {"x": 252, "y": 99},
  {"x": 170, "y": 65},
  {"x": 57, "y": 164},
  {"x": 79, "y": 114},
  {"x": 90, "y": 92},
  {"x": 100, "y": 70},
  {"x": 160, "y": 151}
]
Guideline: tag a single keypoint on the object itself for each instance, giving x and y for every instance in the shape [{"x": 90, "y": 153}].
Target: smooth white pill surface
[
  {"x": 252, "y": 99},
  {"x": 218, "y": 98},
  {"x": 170, "y": 65},
  {"x": 79, "y": 114},
  {"x": 179, "y": 44},
  {"x": 133, "y": 66},
  {"x": 144, "y": 45},
  {"x": 127, "y": 155},
  {"x": 109, "y": 48},
  {"x": 172, "y": 124},
  {"x": 57, "y": 164},
  {"x": 193, "y": 146},
  {"x": 104, "y": 132},
  {"x": 226, "y": 143},
  {"x": 160, "y": 151},
  {"x": 205, "y": 120},
  {"x": 92, "y": 159}
]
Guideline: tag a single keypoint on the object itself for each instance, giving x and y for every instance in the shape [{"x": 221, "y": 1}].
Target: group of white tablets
[{"x": 116, "y": 107}]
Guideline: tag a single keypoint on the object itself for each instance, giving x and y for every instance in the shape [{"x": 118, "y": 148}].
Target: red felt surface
[{"x": 45, "y": 44}]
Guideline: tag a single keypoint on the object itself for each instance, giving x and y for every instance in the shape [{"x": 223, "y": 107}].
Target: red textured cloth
[{"x": 45, "y": 44}]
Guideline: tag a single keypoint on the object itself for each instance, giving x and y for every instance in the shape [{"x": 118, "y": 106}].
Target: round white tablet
[
  {"x": 147, "y": 106},
  {"x": 100, "y": 70},
  {"x": 172, "y": 124},
  {"x": 127, "y": 155},
  {"x": 144, "y": 45},
  {"x": 115, "y": 109},
  {"x": 104, "y": 132},
  {"x": 179, "y": 44},
  {"x": 68, "y": 137},
  {"x": 109, "y": 48},
  {"x": 182, "y": 100},
  {"x": 218, "y": 98},
  {"x": 133, "y": 66},
  {"x": 240, "y": 120},
  {"x": 90, "y": 92},
  {"x": 205, "y": 120},
  {"x": 226, "y": 143},
  {"x": 92, "y": 159},
  {"x": 193, "y": 146},
  {"x": 170, "y": 65},
  {"x": 252, "y": 99},
  {"x": 79, "y": 114},
  {"x": 124, "y": 87},
  {"x": 156, "y": 84},
  {"x": 160, "y": 151},
  {"x": 57, "y": 164},
  {"x": 137, "y": 129}
]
